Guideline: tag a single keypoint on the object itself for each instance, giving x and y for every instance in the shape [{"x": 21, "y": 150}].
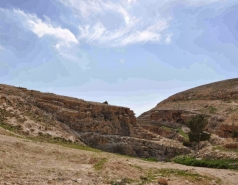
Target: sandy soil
[{"x": 27, "y": 162}]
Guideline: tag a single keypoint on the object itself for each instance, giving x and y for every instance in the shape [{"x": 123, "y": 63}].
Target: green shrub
[
  {"x": 212, "y": 110},
  {"x": 187, "y": 143},
  {"x": 119, "y": 149},
  {"x": 11, "y": 128},
  {"x": 220, "y": 164},
  {"x": 197, "y": 125},
  {"x": 234, "y": 134}
]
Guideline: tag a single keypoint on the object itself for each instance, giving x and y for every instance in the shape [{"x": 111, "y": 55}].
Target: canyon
[
  {"x": 158, "y": 133},
  {"x": 57, "y": 133},
  {"x": 99, "y": 125}
]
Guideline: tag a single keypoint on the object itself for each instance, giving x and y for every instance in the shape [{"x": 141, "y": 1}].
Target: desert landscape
[
  {"x": 51, "y": 139},
  {"x": 129, "y": 92}
]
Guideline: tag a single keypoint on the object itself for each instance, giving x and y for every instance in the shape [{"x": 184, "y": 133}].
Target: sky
[{"x": 131, "y": 53}]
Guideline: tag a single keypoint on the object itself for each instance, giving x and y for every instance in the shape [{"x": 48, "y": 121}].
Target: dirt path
[{"x": 26, "y": 162}]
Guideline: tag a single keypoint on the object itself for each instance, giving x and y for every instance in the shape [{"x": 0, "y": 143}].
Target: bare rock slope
[
  {"x": 103, "y": 126},
  {"x": 218, "y": 101}
]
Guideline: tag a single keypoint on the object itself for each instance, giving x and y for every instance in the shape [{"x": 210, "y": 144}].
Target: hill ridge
[{"x": 218, "y": 101}]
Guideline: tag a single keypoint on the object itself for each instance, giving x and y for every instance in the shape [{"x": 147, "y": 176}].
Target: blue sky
[{"x": 132, "y": 53}]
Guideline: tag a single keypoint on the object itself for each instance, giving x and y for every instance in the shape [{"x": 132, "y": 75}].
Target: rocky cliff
[
  {"x": 218, "y": 101},
  {"x": 103, "y": 126}
]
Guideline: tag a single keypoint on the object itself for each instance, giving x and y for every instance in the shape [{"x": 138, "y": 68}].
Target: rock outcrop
[
  {"x": 217, "y": 101},
  {"x": 99, "y": 125}
]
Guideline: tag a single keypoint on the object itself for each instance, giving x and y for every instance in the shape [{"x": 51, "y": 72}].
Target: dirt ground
[{"x": 28, "y": 162}]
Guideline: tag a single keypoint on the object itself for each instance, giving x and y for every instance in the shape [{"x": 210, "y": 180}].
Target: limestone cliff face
[
  {"x": 79, "y": 115},
  {"x": 218, "y": 101},
  {"x": 107, "y": 127},
  {"x": 85, "y": 116}
]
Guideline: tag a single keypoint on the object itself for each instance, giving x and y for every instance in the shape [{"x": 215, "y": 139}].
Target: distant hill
[{"x": 218, "y": 101}]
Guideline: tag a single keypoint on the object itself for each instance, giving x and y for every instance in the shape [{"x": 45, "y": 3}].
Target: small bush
[
  {"x": 187, "y": 143},
  {"x": 143, "y": 178},
  {"x": 119, "y": 149},
  {"x": 234, "y": 134}
]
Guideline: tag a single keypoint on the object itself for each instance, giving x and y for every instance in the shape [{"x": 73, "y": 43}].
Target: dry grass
[{"x": 26, "y": 161}]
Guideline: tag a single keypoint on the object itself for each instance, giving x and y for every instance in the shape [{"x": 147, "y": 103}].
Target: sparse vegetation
[
  {"x": 166, "y": 128},
  {"x": 42, "y": 120},
  {"x": 135, "y": 166},
  {"x": 219, "y": 164},
  {"x": 151, "y": 159},
  {"x": 47, "y": 138},
  {"x": 99, "y": 165},
  {"x": 212, "y": 110},
  {"x": 123, "y": 181},
  {"x": 179, "y": 131},
  {"x": 4, "y": 113},
  {"x": 62, "y": 142},
  {"x": 11, "y": 128},
  {"x": 182, "y": 133},
  {"x": 186, "y": 174}
]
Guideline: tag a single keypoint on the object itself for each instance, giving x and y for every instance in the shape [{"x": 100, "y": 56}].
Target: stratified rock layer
[
  {"x": 217, "y": 101},
  {"x": 103, "y": 126}
]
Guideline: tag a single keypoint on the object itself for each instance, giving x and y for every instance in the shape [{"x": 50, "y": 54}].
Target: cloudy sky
[{"x": 132, "y": 53}]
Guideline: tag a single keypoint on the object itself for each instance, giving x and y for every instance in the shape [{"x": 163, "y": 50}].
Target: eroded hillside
[
  {"x": 217, "y": 101},
  {"x": 103, "y": 126},
  {"x": 43, "y": 140}
]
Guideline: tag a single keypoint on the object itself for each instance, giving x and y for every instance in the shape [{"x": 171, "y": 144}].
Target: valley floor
[{"x": 30, "y": 162}]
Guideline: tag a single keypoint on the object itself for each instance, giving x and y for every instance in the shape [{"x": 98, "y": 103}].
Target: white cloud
[
  {"x": 202, "y": 2},
  {"x": 124, "y": 36},
  {"x": 1, "y": 47},
  {"x": 143, "y": 36},
  {"x": 64, "y": 36},
  {"x": 131, "y": 1},
  {"x": 168, "y": 38},
  {"x": 120, "y": 23},
  {"x": 130, "y": 28}
]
